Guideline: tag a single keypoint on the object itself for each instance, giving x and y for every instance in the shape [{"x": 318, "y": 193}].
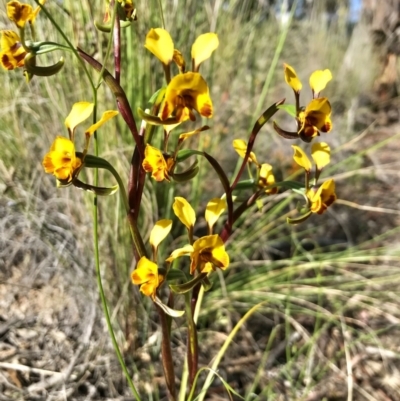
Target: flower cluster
[
  {"x": 206, "y": 253},
  {"x": 185, "y": 93}
]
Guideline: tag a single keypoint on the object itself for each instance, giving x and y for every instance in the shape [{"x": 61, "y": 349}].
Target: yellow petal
[
  {"x": 159, "y": 232},
  {"x": 319, "y": 79},
  {"x": 159, "y": 42},
  {"x": 107, "y": 115},
  {"x": 291, "y": 78},
  {"x": 186, "y": 250},
  {"x": 301, "y": 158},
  {"x": 214, "y": 209},
  {"x": 321, "y": 153},
  {"x": 241, "y": 146},
  {"x": 203, "y": 47},
  {"x": 80, "y": 112},
  {"x": 184, "y": 212},
  {"x": 187, "y": 90}
]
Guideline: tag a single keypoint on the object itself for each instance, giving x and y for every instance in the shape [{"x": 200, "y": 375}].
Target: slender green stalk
[{"x": 161, "y": 14}]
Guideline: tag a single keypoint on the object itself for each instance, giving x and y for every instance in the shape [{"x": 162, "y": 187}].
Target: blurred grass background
[{"x": 331, "y": 323}]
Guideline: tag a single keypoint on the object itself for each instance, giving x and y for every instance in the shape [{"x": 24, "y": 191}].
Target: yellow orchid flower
[
  {"x": 215, "y": 207},
  {"x": 206, "y": 254},
  {"x": 184, "y": 212},
  {"x": 322, "y": 198},
  {"x": 12, "y": 53},
  {"x": 146, "y": 275},
  {"x": 186, "y": 91},
  {"x": 267, "y": 178},
  {"x": 61, "y": 161},
  {"x": 21, "y": 13},
  {"x": 157, "y": 164},
  {"x": 316, "y": 117}
]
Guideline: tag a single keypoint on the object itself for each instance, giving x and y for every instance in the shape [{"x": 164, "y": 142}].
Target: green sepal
[
  {"x": 92, "y": 161},
  {"x": 169, "y": 311},
  {"x": 207, "y": 284},
  {"x": 63, "y": 184},
  {"x": 259, "y": 204},
  {"x": 289, "y": 108},
  {"x": 184, "y": 154},
  {"x": 101, "y": 191},
  {"x": 285, "y": 134},
  {"x": 188, "y": 174},
  {"x": 106, "y": 28},
  {"x": 31, "y": 67},
  {"x": 245, "y": 184},
  {"x": 37, "y": 48},
  {"x": 299, "y": 219},
  {"x": 158, "y": 96},
  {"x": 186, "y": 287},
  {"x": 176, "y": 274},
  {"x": 156, "y": 120}
]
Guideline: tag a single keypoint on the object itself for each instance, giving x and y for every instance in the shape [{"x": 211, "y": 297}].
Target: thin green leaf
[
  {"x": 186, "y": 287},
  {"x": 289, "y": 108}
]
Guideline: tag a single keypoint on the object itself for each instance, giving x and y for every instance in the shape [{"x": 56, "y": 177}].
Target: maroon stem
[{"x": 167, "y": 361}]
